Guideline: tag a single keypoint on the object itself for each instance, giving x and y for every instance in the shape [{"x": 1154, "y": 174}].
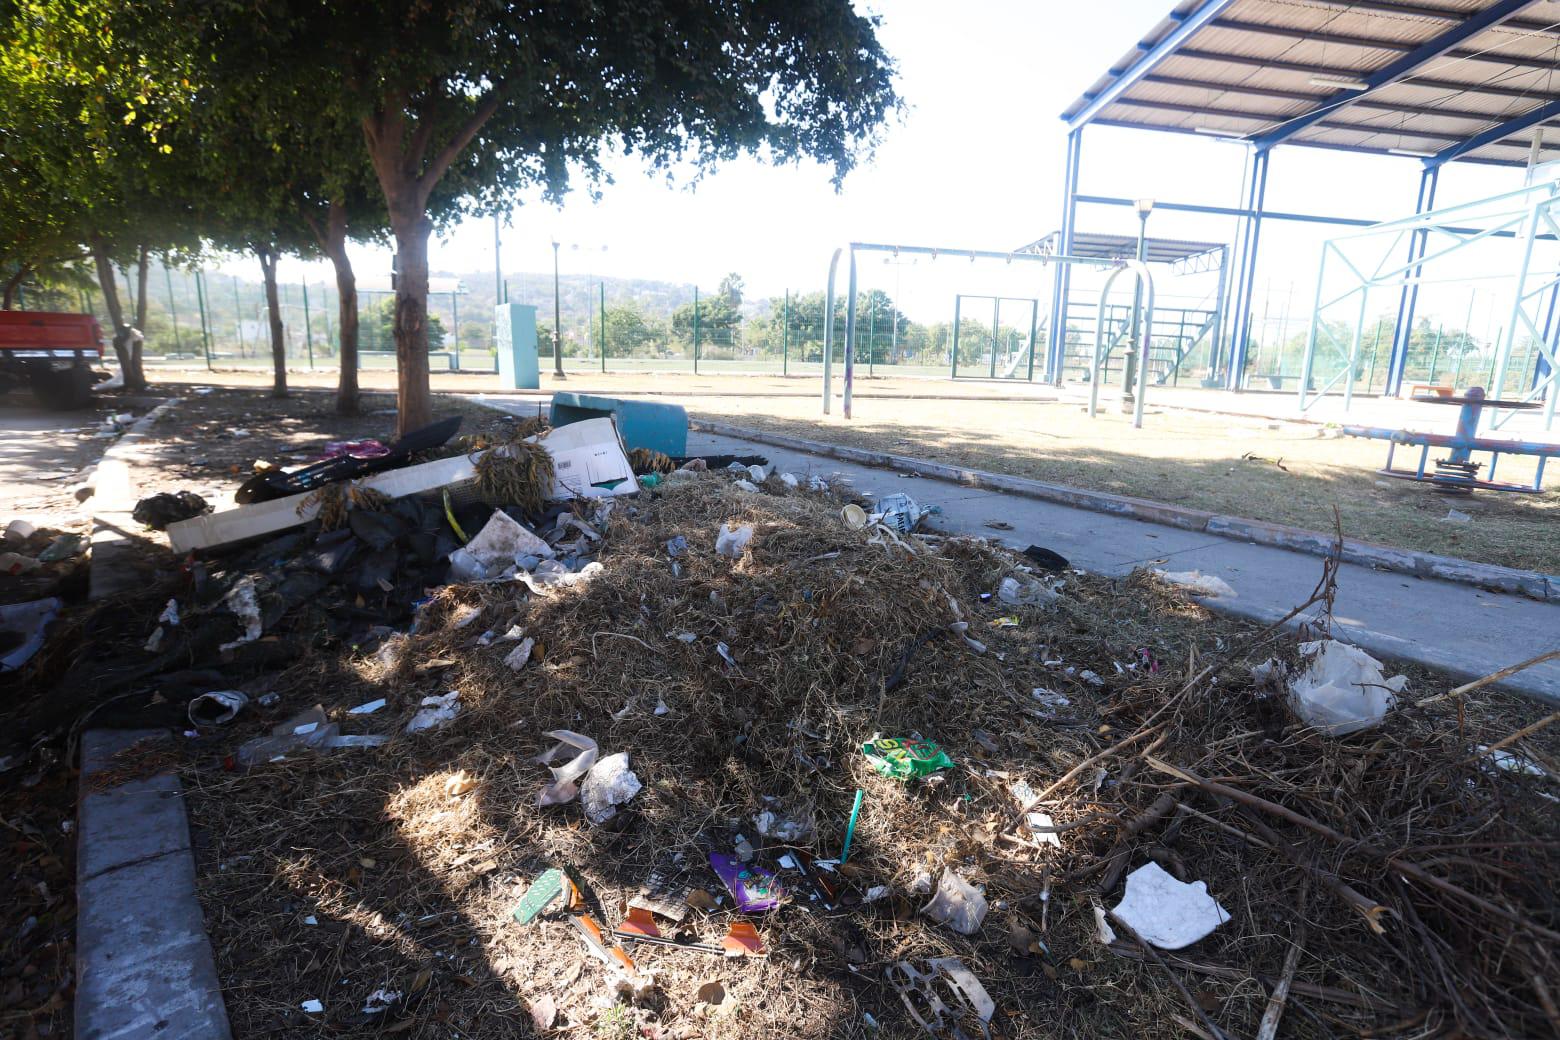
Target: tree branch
[{"x": 457, "y": 144}]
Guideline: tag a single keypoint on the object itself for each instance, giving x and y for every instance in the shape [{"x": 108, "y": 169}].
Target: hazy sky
[{"x": 974, "y": 161}]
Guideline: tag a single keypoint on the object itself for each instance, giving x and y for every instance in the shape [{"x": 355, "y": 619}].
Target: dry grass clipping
[
  {"x": 336, "y": 500},
  {"x": 648, "y": 460},
  {"x": 413, "y": 886},
  {"x": 519, "y": 473}
]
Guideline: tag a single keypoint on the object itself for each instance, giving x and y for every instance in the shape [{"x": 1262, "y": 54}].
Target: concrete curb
[
  {"x": 112, "y": 502},
  {"x": 1543, "y": 587},
  {"x": 144, "y": 967}
]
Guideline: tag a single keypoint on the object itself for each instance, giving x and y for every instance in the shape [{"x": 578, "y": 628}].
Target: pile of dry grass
[{"x": 410, "y": 858}]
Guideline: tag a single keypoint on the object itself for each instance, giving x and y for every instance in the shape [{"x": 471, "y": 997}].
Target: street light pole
[{"x": 557, "y": 320}]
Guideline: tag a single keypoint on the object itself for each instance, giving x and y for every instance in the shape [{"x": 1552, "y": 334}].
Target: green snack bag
[{"x": 903, "y": 758}]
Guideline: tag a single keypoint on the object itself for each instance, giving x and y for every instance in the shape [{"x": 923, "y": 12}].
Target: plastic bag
[
  {"x": 608, "y": 785},
  {"x": 732, "y": 540},
  {"x": 903, "y": 758},
  {"x": 957, "y": 904},
  {"x": 1197, "y": 583},
  {"x": 1341, "y": 689},
  {"x": 435, "y": 712},
  {"x": 1022, "y": 590}
]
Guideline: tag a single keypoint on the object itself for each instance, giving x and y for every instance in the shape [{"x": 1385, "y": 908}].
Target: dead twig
[
  {"x": 1208, "y": 1023},
  {"x": 1493, "y": 677},
  {"x": 1268, "y": 1029}
]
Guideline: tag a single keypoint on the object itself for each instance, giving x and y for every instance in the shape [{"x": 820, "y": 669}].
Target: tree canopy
[{"x": 248, "y": 122}]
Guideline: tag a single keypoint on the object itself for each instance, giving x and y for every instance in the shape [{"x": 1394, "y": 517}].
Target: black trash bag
[{"x": 160, "y": 510}]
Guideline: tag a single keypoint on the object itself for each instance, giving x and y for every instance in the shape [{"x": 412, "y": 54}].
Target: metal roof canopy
[
  {"x": 1474, "y": 80},
  {"x": 1122, "y": 247},
  {"x": 1439, "y": 80}
]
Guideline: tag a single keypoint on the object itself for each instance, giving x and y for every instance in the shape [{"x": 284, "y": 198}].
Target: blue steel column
[
  {"x": 1216, "y": 334},
  {"x": 1403, "y": 331},
  {"x": 1061, "y": 278},
  {"x": 1246, "y": 277},
  {"x": 1541, "y": 363}
]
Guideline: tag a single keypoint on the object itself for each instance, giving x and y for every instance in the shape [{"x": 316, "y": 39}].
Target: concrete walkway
[{"x": 1458, "y": 629}]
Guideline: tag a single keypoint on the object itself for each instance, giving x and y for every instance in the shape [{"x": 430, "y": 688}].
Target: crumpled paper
[{"x": 1166, "y": 912}]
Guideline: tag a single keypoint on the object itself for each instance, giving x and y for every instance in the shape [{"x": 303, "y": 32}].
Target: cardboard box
[{"x": 588, "y": 462}]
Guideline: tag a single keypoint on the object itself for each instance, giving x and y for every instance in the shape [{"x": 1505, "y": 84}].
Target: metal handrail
[{"x": 1143, "y": 326}]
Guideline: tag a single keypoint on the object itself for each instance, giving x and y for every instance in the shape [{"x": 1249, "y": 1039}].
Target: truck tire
[{"x": 63, "y": 391}]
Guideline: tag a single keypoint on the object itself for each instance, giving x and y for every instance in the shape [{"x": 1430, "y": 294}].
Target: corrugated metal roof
[
  {"x": 1121, "y": 247},
  {"x": 1286, "y": 70}
]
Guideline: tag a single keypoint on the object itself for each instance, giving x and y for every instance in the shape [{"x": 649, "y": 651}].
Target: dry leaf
[
  {"x": 1022, "y": 939},
  {"x": 544, "y": 1011},
  {"x": 368, "y": 861},
  {"x": 712, "y": 993},
  {"x": 701, "y": 900},
  {"x": 1078, "y": 964},
  {"x": 459, "y": 784},
  {"x": 421, "y": 981}
]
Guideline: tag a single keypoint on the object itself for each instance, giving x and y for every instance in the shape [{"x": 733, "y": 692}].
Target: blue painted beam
[
  {"x": 1056, "y": 345},
  {"x": 1532, "y": 117},
  {"x": 1246, "y": 278},
  {"x": 1150, "y": 57},
  {"x": 1400, "y": 67},
  {"x": 1408, "y": 300}
]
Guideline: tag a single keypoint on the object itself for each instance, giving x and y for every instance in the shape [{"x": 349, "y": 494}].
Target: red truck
[{"x": 52, "y": 353}]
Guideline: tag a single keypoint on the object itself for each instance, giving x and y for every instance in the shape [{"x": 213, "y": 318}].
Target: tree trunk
[
  {"x": 12, "y": 284},
  {"x": 138, "y": 343},
  {"x": 347, "y": 399},
  {"x": 141, "y": 267},
  {"x": 129, "y": 360},
  {"x": 273, "y": 306},
  {"x": 414, "y": 400}
]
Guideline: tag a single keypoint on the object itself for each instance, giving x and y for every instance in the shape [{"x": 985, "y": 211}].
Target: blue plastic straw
[{"x": 850, "y": 830}]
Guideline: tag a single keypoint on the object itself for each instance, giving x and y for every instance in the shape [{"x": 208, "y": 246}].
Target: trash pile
[
  {"x": 717, "y": 759},
  {"x": 37, "y": 567}
]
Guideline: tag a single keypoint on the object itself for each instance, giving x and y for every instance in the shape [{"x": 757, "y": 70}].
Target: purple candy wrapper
[{"x": 753, "y": 888}]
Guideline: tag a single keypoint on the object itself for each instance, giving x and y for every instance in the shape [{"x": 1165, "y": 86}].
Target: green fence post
[
  {"x": 308, "y": 328},
  {"x": 871, "y": 331},
  {"x": 173, "y": 310},
  {"x": 200, "y": 299},
  {"x": 695, "y": 330},
  {"x": 325, "y": 302},
  {"x": 785, "y": 337},
  {"x": 1435, "y": 352},
  {"x": 953, "y": 369},
  {"x": 603, "y": 324},
  {"x": 238, "y": 318},
  {"x": 286, "y": 325},
  {"x": 455, "y": 326},
  {"x": 996, "y": 320}
]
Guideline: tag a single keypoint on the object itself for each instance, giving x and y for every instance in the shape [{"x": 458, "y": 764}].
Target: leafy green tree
[
  {"x": 731, "y": 288},
  {"x": 718, "y": 320},
  {"x": 627, "y": 331},
  {"x": 381, "y": 316},
  {"x": 490, "y": 97},
  {"x": 88, "y": 128}
]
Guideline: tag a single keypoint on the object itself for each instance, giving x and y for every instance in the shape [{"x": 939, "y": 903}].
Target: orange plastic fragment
[
  {"x": 639, "y": 922},
  {"x": 742, "y": 941}
]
